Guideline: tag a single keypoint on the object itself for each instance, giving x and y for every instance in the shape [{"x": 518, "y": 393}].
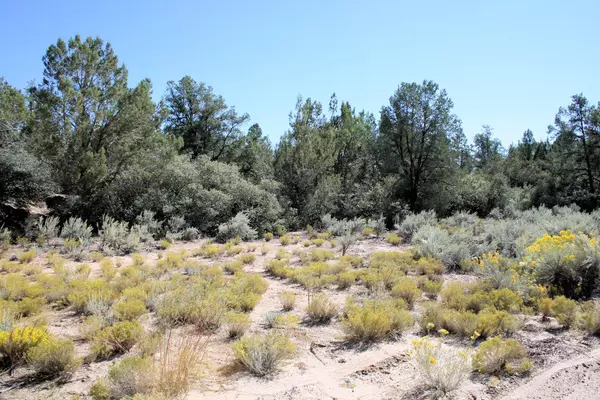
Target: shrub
[
  {"x": 284, "y": 321},
  {"x": 268, "y": 236},
  {"x": 190, "y": 234},
  {"x": 321, "y": 255},
  {"x": 237, "y": 324},
  {"x": 27, "y": 256},
  {"x": 382, "y": 259},
  {"x": 318, "y": 242},
  {"x": 76, "y": 229},
  {"x": 108, "y": 269},
  {"x": 288, "y": 300},
  {"x": 564, "y": 310},
  {"x": 100, "y": 390},
  {"x": 431, "y": 241},
  {"x": 545, "y": 307},
  {"x": 406, "y": 288},
  {"x": 430, "y": 266},
  {"x": 589, "y": 319},
  {"x": 262, "y": 354},
  {"x": 496, "y": 355},
  {"x": 129, "y": 309},
  {"x": 285, "y": 240},
  {"x": 432, "y": 288},
  {"x": 15, "y": 344},
  {"x": 413, "y": 222},
  {"x": 443, "y": 369},
  {"x": 85, "y": 295},
  {"x": 272, "y": 266},
  {"x": 491, "y": 322},
  {"x": 131, "y": 376},
  {"x": 116, "y": 235},
  {"x": 321, "y": 309},
  {"x": 264, "y": 250},
  {"x": 116, "y": 339},
  {"x": 247, "y": 258},
  {"x": 138, "y": 259},
  {"x": 352, "y": 261},
  {"x": 193, "y": 304},
  {"x": 177, "y": 362},
  {"x": 568, "y": 263},
  {"x": 346, "y": 279},
  {"x": 233, "y": 266},
  {"x": 238, "y": 226},
  {"x": 375, "y": 320},
  {"x": 393, "y": 239},
  {"x": 53, "y": 357},
  {"x": 346, "y": 241}
]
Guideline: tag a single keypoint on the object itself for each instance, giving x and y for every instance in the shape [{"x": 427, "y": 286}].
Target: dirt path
[{"x": 573, "y": 379}]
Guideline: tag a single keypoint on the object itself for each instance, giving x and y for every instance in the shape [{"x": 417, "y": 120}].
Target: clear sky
[{"x": 509, "y": 64}]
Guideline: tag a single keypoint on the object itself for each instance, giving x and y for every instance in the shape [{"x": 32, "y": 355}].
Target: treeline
[{"x": 107, "y": 149}]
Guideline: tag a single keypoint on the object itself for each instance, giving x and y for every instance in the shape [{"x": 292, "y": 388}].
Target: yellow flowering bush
[
  {"x": 442, "y": 368},
  {"x": 15, "y": 344},
  {"x": 568, "y": 263}
]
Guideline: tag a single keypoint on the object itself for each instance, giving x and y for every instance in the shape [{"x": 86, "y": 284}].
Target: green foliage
[
  {"x": 564, "y": 310},
  {"x": 128, "y": 310},
  {"x": 320, "y": 309},
  {"x": 288, "y": 300},
  {"x": 237, "y": 226},
  {"x": 53, "y": 357},
  {"x": 375, "y": 320},
  {"x": 129, "y": 377},
  {"x": 262, "y": 354},
  {"x": 237, "y": 324},
  {"x": 116, "y": 339},
  {"x": 76, "y": 229},
  {"x": 393, "y": 239},
  {"x": 17, "y": 342},
  {"x": 406, "y": 289},
  {"x": 496, "y": 355}
]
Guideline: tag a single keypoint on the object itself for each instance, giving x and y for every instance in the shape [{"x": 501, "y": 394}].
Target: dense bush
[
  {"x": 262, "y": 354},
  {"x": 17, "y": 342},
  {"x": 53, "y": 357},
  {"x": 375, "y": 320},
  {"x": 238, "y": 226},
  {"x": 496, "y": 355},
  {"x": 321, "y": 309}
]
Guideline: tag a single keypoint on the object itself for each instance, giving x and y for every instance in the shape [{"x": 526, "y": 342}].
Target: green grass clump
[
  {"x": 564, "y": 310},
  {"x": 263, "y": 354},
  {"x": 406, "y": 288},
  {"x": 375, "y": 320},
  {"x": 129, "y": 310},
  {"x": 17, "y": 342},
  {"x": 237, "y": 324},
  {"x": 233, "y": 267},
  {"x": 321, "y": 255},
  {"x": 393, "y": 239},
  {"x": 496, "y": 355},
  {"x": 285, "y": 240},
  {"x": 268, "y": 236},
  {"x": 320, "y": 309},
  {"x": 27, "y": 256},
  {"x": 247, "y": 258},
  {"x": 288, "y": 300},
  {"x": 53, "y": 357},
  {"x": 116, "y": 339}
]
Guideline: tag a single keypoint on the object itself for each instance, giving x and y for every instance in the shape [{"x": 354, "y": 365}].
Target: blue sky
[{"x": 509, "y": 64}]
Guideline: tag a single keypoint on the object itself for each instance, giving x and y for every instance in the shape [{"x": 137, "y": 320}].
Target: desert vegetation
[{"x": 152, "y": 251}]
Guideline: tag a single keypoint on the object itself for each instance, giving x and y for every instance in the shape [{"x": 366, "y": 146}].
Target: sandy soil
[{"x": 566, "y": 365}]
